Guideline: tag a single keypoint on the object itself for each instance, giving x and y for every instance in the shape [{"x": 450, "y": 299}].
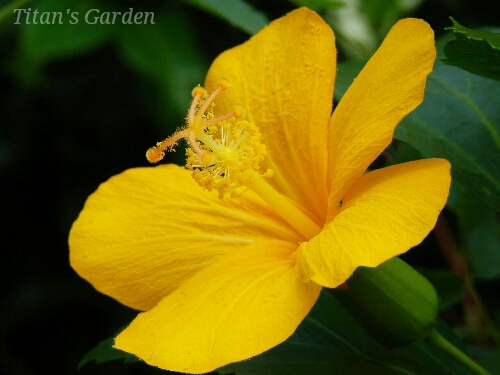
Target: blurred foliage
[
  {"x": 449, "y": 286},
  {"x": 82, "y": 102},
  {"x": 480, "y": 229},
  {"x": 320, "y": 5},
  {"x": 361, "y": 25}
]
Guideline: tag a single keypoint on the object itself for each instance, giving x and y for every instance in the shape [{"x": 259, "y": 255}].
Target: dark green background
[{"x": 70, "y": 124}]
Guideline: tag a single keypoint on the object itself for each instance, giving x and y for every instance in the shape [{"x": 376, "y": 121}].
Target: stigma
[
  {"x": 200, "y": 117},
  {"x": 224, "y": 152}
]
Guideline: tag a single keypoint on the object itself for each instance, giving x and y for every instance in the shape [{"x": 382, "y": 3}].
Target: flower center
[
  {"x": 229, "y": 151},
  {"x": 222, "y": 150},
  {"x": 224, "y": 154}
]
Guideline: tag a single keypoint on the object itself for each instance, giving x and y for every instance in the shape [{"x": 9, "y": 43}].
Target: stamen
[
  {"x": 198, "y": 93},
  {"x": 157, "y": 152},
  {"x": 194, "y": 144},
  {"x": 207, "y": 159},
  {"x": 223, "y": 86},
  {"x": 230, "y": 152},
  {"x": 238, "y": 112},
  {"x": 198, "y": 120}
]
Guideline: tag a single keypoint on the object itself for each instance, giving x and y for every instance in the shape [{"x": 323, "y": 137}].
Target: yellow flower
[{"x": 222, "y": 280}]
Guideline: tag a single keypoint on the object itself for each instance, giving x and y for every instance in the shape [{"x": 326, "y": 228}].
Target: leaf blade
[
  {"x": 458, "y": 121},
  {"x": 480, "y": 229},
  {"x": 104, "y": 352},
  {"x": 476, "y": 51},
  {"x": 64, "y": 36},
  {"x": 237, "y": 12},
  {"x": 319, "y": 5}
]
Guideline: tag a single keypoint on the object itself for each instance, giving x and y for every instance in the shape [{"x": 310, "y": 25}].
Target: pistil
[{"x": 286, "y": 209}]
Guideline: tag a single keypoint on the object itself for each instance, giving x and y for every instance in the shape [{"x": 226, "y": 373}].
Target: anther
[
  {"x": 269, "y": 173},
  {"x": 224, "y": 84},
  {"x": 207, "y": 158},
  {"x": 239, "y": 111},
  {"x": 200, "y": 92},
  {"x": 154, "y": 154},
  {"x": 230, "y": 158},
  {"x": 157, "y": 152},
  {"x": 197, "y": 120}
]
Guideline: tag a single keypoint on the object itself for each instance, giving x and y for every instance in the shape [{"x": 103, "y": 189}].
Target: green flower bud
[{"x": 393, "y": 302}]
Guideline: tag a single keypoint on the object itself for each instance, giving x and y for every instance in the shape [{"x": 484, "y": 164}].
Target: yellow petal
[
  {"x": 384, "y": 214},
  {"x": 243, "y": 304},
  {"x": 284, "y": 77},
  {"x": 389, "y": 87},
  {"x": 145, "y": 231}
]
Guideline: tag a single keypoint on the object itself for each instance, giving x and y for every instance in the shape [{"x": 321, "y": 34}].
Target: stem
[
  {"x": 286, "y": 209},
  {"x": 458, "y": 264},
  {"x": 449, "y": 248},
  {"x": 440, "y": 342},
  {"x": 8, "y": 9}
]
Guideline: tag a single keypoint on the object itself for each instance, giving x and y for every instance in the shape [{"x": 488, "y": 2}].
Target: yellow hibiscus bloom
[{"x": 222, "y": 280}]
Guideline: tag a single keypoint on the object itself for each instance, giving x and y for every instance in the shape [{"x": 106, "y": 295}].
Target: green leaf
[
  {"x": 460, "y": 121},
  {"x": 473, "y": 50},
  {"x": 346, "y": 72},
  {"x": 456, "y": 191},
  {"x": 403, "y": 154},
  {"x": 449, "y": 287},
  {"x": 104, "y": 352},
  {"x": 236, "y": 12},
  {"x": 488, "y": 358},
  {"x": 329, "y": 339},
  {"x": 393, "y": 302},
  {"x": 319, "y": 5},
  {"x": 64, "y": 36},
  {"x": 480, "y": 230}
]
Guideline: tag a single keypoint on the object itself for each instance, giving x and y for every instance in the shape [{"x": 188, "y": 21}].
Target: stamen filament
[
  {"x": 197, "y": 121},
  {"x": 284, "y": 208},
  {"x": 157, "y": 152},
  {"x": 201, "y": 112},
  {"x": 216, "y": 120},
  {"x": 192, "y": 108},
  {"x": 192, "y": 142}
]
